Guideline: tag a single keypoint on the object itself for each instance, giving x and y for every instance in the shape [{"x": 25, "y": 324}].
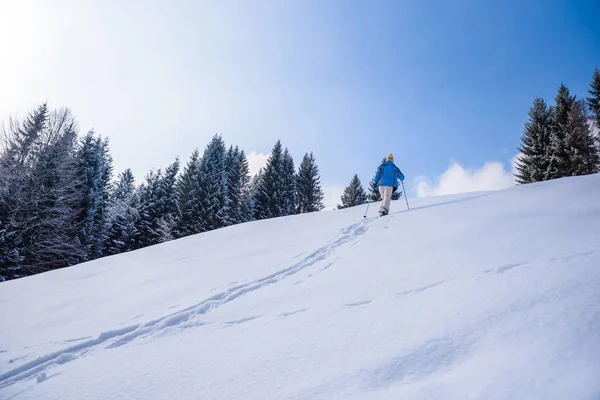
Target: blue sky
[{"x": 435, "y": 83}]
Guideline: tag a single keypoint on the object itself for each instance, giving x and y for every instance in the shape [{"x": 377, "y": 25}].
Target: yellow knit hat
[{"x": 390, "y": 157}]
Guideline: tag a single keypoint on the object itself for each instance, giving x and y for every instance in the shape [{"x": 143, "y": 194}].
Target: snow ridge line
[{"x": 120, "y": 337}]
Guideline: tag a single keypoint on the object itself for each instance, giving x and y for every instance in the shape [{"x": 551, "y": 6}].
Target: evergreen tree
[
  {"x": 231, "y": 170},
  {"x": 158, "y": 208},
  {"x": 188, "y": 197},
  {"x": 353, "y": 195},
  {"x": 38, "y": 196},
  {"x": 396, "y": 195},
  {"x": 533, "y": 164},
  {"x": 165, "y": 228},
  {"x": 310, "y": 195},
  {"x": 168, "y": 204},
  {"x": 252, "y": 194},
  {"x": 215, "y": 202},
  {"x": 255, "y": 183},
  {"x": 594, "y": 100},
  {"x": 579, "y": 143},
  {"x": 559, "y": 157},
  {"x": 15, "y": 163},
  {"x": 246, "y": 208},
  {"x": 124, "y": 189},
  {"x": 290, "y": 196},
  {"x": 51, "y": 218},
  {"x": 269, "y": 199},
  {"x": 95, "y": 171},
  {"x": 594, "y": 106},
  {"x": 168, "y": 184},
  {"x": 22, "y": 141},
  {"x": 123, "y": 215},
  {"x": 148, "y": 210},
  {"x": 238, "y": 178}
]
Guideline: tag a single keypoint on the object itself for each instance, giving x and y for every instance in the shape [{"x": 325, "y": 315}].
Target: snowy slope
[{"x": 477, "y": 296}]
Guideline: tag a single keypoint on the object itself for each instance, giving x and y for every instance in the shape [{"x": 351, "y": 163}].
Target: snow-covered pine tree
[
  {"x": 54, "y": 193},
  {"x": 123, "y": 215},
  {"x": 354, "y": 194},
  {"x": 559, "y": 158},
  {"x": 165, "y": 229},
  {"x": 21, "y": 141},
  {"x": 237, "y": 183},
  {"x": 17, "y": 147},
  {"x": 158, "y": 207},
  {"x": 252, "y": 194},
  {"x": 168, "y": 205},
  {"x": 148, "y": 210},
  {"x": 270, "y": 193},
  {"x": 579, "y": 143},
  {"x": 106, "y": 190},
  {"x": 533, "y": 162},
  {"x": 188, "y": 198},
  {"x": 593, "y": 102},
  {"x": 169, "y": 190},
  {"x": 40, "y": 155},
  {"x": 290, "y": 194},
  {"x": 95, "y": 171},
  {"x": 231, "y": 169},
  {"x": 246, "y": 209},
  {"x": 214, "y": 211},
  {"x": 124, "y": 188},
  {"x": 310, "y": 195}
]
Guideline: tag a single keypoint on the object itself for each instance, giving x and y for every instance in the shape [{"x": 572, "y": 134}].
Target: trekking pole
[
  {"x": 368, "y": 204},
  {"x": 405, "y": 197}
]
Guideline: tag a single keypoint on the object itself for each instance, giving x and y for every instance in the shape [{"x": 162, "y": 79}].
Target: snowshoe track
[{"x": 181, "y": 319}]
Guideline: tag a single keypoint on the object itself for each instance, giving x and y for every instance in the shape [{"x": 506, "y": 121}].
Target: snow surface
[{"x": 477, "y": 296}]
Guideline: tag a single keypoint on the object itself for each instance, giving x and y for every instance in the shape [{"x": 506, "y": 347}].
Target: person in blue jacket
[{"x": 387, "y": 179}]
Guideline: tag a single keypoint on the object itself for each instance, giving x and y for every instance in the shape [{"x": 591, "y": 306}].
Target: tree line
[
  {"x": 562, "y": 139},
  {"x": 60, "y": 203}
]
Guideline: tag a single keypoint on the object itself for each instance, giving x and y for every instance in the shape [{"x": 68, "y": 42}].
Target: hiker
[{"x": 387, "y": 180}]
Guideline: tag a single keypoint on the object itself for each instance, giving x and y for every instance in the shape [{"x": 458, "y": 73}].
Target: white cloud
[
  {"x": 256, "y": 161},
  {"x": 457, "y": 179},
  {"x": 332, "y": 196}
]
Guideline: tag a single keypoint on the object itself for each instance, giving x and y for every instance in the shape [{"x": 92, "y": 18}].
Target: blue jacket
[{"x": 388, "y": 175}]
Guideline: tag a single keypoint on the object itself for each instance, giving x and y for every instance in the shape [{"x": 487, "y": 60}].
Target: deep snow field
[{"x": 491, "y": 295}]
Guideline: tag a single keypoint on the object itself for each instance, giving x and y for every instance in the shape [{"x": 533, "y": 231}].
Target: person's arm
[
  {"x": 377, "y": 176},
  {"x": 400, "y": 175}
]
